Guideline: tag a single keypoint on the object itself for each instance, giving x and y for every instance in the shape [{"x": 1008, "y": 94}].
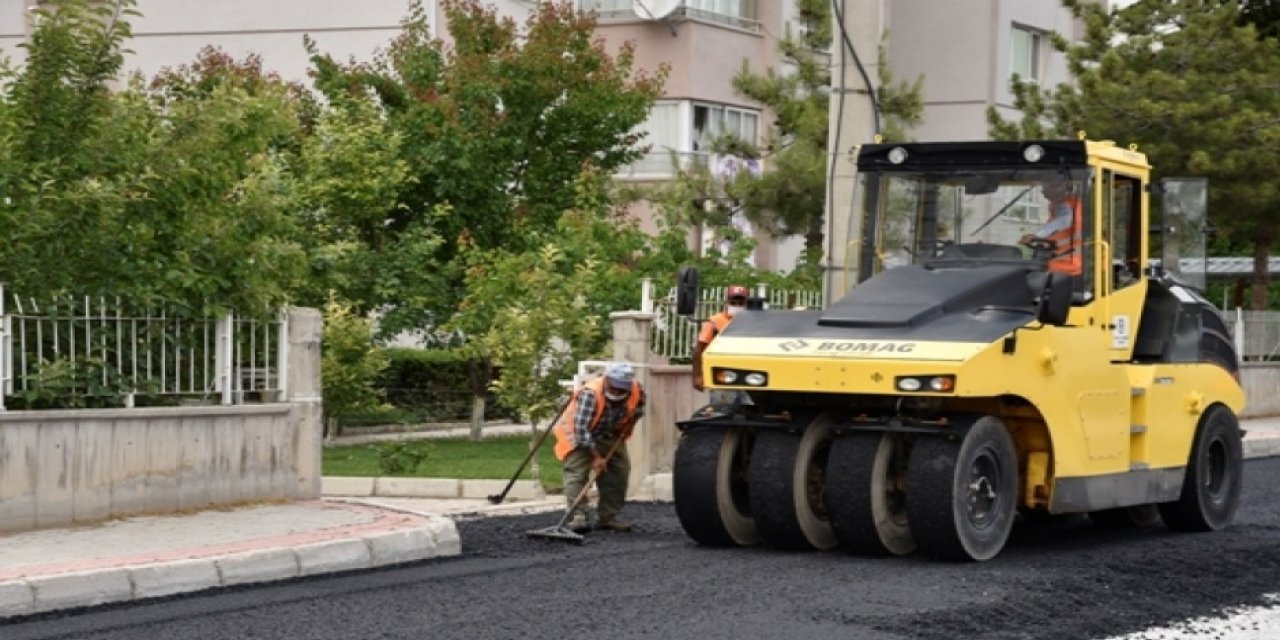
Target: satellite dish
[{"x": 655, "y": 9}]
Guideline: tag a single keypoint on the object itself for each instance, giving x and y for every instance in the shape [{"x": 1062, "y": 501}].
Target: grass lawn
[{"x": 490, "y": 458}]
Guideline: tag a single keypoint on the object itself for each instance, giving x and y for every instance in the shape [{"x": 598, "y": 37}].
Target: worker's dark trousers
[{"x": 612, "y": 484}]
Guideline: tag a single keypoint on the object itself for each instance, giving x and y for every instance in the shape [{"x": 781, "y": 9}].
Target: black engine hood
[{"x": 912, "y": 303}]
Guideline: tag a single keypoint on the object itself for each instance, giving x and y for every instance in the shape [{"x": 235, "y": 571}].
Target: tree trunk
[
  {"x": 1261, "y": 274},
  {"x": 477, "y": 373},
  {"x": 477, "y": 418},
  {"x": 535, "y": 472},
  {"x": 332, "y": 429}
]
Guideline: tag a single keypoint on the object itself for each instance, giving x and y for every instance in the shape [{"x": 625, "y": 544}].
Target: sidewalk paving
[{"x": 146, "y": 557}]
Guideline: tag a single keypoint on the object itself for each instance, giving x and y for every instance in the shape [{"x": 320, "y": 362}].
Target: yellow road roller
[{"x": 1001, "y": 343}]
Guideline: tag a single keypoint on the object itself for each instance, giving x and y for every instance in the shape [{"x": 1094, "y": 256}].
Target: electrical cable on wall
[{"x": 838, "y": 8}]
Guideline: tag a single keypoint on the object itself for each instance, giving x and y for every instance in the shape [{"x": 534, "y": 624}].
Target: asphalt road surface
[{"x": 1067, "y": 579}]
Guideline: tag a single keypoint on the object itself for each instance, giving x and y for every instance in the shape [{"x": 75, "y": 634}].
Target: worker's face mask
[{"x": 615, "y": 396}]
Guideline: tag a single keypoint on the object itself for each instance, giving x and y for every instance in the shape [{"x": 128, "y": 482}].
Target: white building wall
[
  {"x": 172, "y": 32},
  {"x": 964, "y": 50}
]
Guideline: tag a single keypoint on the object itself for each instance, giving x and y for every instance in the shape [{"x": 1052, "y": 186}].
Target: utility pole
[{"x": 858, "y": 25}]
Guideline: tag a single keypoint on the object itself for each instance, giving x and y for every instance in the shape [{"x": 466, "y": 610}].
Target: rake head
[{"x": 558, "y": 532}]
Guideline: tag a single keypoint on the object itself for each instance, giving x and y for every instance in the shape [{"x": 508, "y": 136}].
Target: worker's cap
[
  {"x": 619, "y": 375},
  {"x": 736, "y": 292}
]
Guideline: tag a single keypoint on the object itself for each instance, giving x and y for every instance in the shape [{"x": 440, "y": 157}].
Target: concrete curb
[
  {"x": 1261, "y": 447},
  {"x": 436, "y": 536},
  {"x": 442, "y": 488}
]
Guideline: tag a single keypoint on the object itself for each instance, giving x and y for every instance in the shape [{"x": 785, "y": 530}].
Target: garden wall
[{"x": 64, "y": 467}]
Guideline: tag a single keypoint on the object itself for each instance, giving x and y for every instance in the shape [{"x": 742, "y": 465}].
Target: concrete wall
[
  {"x": 1260, "y": 380},
  {"x": 82, "y": 466}
]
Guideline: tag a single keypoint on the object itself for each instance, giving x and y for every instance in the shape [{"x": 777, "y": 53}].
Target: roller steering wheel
[
  {"x": 1041, "y": 248},
  {"x": 1041, "y": 244}
]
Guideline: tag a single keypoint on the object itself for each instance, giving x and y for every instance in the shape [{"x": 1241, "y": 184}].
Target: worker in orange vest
[
  {"x": 600, "y": 411},
  {"x": 735, "y": 301},
  {"x": 1064, "y": 232}
]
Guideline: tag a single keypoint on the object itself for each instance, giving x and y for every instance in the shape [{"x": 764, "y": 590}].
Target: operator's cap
[
  {"x": 735, "y": 292},
  {"x": 619, "y": 375}
]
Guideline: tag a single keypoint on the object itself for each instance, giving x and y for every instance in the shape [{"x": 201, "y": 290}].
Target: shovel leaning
[{"x": 499, "y": 497}]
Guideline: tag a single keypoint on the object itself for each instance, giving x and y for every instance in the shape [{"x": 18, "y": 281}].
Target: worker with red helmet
[{"x": 735, "y": 301}]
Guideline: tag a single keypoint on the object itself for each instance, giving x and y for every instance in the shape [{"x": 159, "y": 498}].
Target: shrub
[{"x": 401, "y": 458}]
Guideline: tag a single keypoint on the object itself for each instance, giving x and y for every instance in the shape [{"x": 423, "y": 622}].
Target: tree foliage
[
  {"x": 349, "y": 365},
  {"x": 496, "y": 127},
  {"x": 537, "y": 313},
  {"x": 1193, "y": 85},
  {"x": 789, "y": 197},
  {"x": 141, "y": 192}
]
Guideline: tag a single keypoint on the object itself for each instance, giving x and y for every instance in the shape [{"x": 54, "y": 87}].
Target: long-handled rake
[{"x": 561, "y": 532}]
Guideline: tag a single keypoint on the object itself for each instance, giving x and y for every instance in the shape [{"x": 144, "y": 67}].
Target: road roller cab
[{"x": 999, "y": 343}]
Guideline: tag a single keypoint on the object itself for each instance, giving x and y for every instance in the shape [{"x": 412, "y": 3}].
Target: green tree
[
  {"x": 496, "y": 127},
  {"x": 350, "y": 364},
  {"x": 1195, "y": 86},
  {"x": 789, "y": 197},
  {"x": 143, "y": 192},
  {"x": 533, "y": 313}
]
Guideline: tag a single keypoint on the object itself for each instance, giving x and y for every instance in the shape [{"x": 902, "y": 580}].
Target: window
[
  {"x": 662, "y": 137},
  {"x": 739, "y": 13},
  {"x": 606, "y": 6},
  {"x": 1027, "y": 204},
  {"x": 1122, "y": 227},
  {"x": 745, "y": 9},
  {"x": 715, "y": 121},
  {"x": 687, "y": 130},
  {"x": 1025, "y": 58}
]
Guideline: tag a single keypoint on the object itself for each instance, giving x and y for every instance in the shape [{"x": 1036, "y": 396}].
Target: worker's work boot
[
  {"x": 614, "y": 524},
  {"x": 578, "y": 523}
]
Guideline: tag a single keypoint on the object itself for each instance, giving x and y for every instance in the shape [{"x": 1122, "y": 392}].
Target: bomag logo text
[{"x": 868, "y": 347}]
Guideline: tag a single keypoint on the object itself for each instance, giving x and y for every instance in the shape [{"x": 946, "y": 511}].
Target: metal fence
[
  {"x": 1256, "y": 334},
  {"x": 97, "y": 352},
  {"x": 673, "y": 335}
]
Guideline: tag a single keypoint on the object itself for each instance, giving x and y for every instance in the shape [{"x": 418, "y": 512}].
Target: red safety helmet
[{"x": 736, "y": 292}]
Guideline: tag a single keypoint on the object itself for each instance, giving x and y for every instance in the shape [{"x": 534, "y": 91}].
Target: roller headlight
[
  {"x": 942, "y": 384},
  {"x": 739, "y": 377},
  {"x": 932, "y": 384},
  {"x": 1033, "y": 153}
]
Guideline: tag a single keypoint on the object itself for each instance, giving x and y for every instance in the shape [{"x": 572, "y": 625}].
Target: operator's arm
[
  {"x": 582, "y": 420},
  {"x": 704, "y": 338},
  {"x": 1062, "y": 219}
]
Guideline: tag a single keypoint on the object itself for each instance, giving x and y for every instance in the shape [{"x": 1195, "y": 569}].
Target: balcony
[{"x": 741, "y": 14}]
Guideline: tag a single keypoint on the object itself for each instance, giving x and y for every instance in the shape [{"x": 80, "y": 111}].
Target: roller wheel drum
[
  {"x": 786, "y": 477},
  {"x": 962, "y": 492},
  {"x": 1211, "y": 486},
  {"x": 809, "y": 483},
  {"x": 866, "y": 477},
  {"x": 1143, "y": 515},
  {"x": 709, "y": 486}
]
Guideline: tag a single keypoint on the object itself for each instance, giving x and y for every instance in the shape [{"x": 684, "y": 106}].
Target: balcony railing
[{"x": 738, "y": 13}]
